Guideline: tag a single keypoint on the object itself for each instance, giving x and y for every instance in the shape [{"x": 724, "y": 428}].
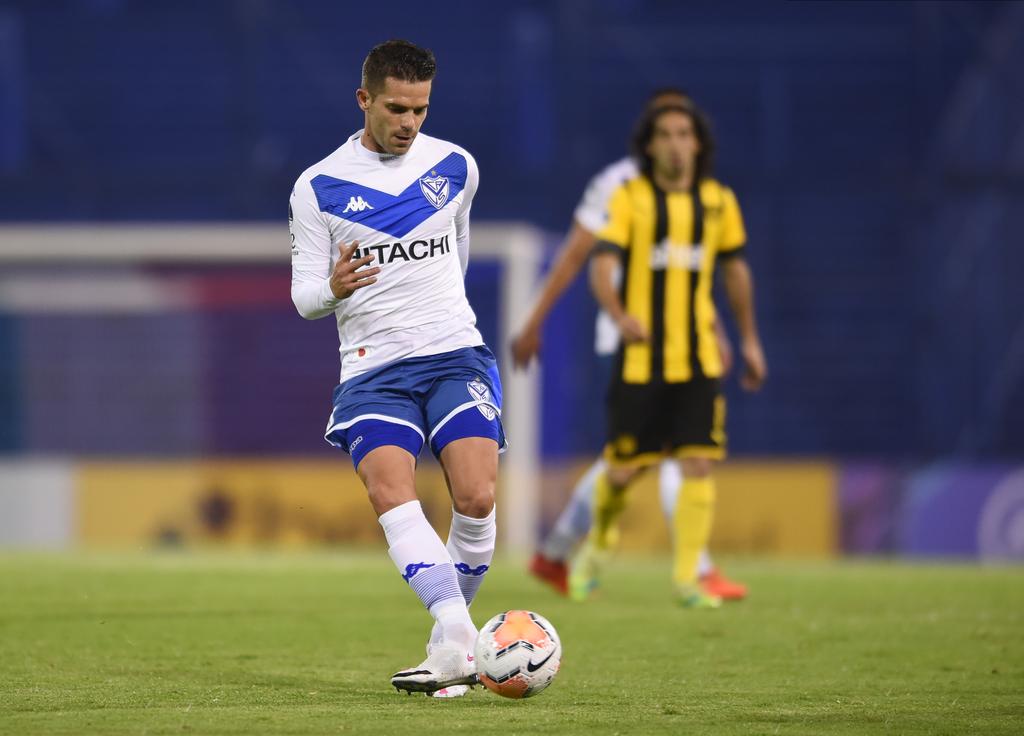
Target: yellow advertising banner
[
  {"x": 763, "y": 507},
  {"x": 769, "y": 508},
  {"x": 275, "y": 503},
  {"x": 777, "y": 508}
]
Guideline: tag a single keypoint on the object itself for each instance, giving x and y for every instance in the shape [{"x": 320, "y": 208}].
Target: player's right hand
[
  {"x": 346, "y": 277},
  {"x": 525, "y": 346},
  {"x": 631, "y": 329},
  {"x": 755, "y": 368}
]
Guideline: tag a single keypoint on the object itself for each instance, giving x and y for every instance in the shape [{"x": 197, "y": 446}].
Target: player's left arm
[
  {"x": 603, "y": 266},
  {"x": 462, "y": 215},
  {"x": 739, "y": 290},
  {"x": 612, "y": 242}
]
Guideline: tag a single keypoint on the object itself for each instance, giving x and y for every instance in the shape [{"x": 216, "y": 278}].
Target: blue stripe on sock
[
  {"x": 436, "y": 584},
  {"x": 469, "y": 585}
]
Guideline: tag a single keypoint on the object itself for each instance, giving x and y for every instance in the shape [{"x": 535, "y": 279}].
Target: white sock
[
  {"x": 704, "y": 564},
  {"x": 670, "y": 480},
  {"x": 425, "y": 564},
  {"x": 574, "y": 522},
  {"x": 471, "y": 546}
]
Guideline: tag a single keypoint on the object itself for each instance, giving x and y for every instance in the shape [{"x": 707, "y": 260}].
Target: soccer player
[
  {"x": 668, "y": 228},
  {"x": 380, "y": 240},
  {"x": 549, "y": 563}
]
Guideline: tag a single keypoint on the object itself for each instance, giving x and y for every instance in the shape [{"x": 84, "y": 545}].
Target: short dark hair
[
  {"x": 644, "y": 131},
  {"x": 398, "y": 59}
]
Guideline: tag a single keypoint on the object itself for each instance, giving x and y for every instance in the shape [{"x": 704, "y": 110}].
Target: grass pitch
[{"x": 304, "y": 644}]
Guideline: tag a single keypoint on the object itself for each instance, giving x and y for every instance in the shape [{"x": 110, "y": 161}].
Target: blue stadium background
[{"x": 877, "y": 150}]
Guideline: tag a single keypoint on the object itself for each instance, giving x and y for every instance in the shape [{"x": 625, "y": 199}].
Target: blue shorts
[{"x": 435, "y": 399}]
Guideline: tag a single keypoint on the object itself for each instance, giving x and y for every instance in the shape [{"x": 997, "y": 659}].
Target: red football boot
[
  {"x": 716, "y": 584},
  {"x": 553, "y": 572}
]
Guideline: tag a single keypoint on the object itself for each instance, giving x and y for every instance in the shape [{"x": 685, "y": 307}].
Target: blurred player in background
[
  {"x": 380, "y": 240},
  {"x": 572, "y": 525},
  {"x": 668, "y": 228}
]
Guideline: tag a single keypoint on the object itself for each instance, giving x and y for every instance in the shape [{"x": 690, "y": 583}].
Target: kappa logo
[
  {"x": 357, "y": 204},
  {"x": 465, "y": 569},
  {"x": 415, "y": 567},
  {"x": 435, "y": 189},
  {"x": 479, "y": 391}
]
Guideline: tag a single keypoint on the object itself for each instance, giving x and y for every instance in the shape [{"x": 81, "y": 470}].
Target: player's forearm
[
  {"x": 739, "y": 289},
  {"x": 313, "y": 297},
  {"x": 571, "y": 257},
  {"x": 602, "y": 284}
]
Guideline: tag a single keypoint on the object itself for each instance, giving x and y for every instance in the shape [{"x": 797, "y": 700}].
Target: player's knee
[
  {"x": 478, "y": 508},
  {"x": 473, "y": 495},
  {"x": 697, "y": 467},
  {"x": 622, "y": 476},
  {"x": 471, "y": 467},
  {"x": 385, "y": 495},
  {"x": 475, "y": 499}
]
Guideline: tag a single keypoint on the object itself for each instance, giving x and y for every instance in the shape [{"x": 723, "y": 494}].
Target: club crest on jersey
[
  {"x": 479, "y": 391},
  {"x": 435, "y": 189}
]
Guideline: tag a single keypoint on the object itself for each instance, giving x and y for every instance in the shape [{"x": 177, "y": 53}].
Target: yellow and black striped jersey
[{"x": 670, "y": 242}]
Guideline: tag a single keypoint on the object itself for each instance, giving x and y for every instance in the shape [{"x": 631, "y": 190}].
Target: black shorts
[{"x": 649, "y": 421}]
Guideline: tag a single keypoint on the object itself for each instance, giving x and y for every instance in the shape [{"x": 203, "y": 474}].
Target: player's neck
[
  {"x": 369, "y": 149},
  {"x": 683, "y": 182},
  {"x": 369, "y": 142}
]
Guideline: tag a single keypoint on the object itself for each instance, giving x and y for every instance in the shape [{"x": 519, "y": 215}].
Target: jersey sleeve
[
  {"x": 616, "y": 229},
  {"x": 592, "y": 210},
  {"x": 312, "y": 252},
  {"x": 734, "y": 235},
  {"x": 462, "y": 215}
]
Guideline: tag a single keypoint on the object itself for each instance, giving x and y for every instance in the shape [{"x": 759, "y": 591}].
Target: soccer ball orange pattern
[{"x": 517, "y": 654}]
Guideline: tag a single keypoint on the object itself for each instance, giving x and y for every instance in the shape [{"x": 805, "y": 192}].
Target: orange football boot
[
  {"x": 716, "y": 584},
  {"x": 553, "y": 572}
]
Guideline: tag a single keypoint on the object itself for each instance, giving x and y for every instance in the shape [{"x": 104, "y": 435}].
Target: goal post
[{"x": 520, "y": 251}]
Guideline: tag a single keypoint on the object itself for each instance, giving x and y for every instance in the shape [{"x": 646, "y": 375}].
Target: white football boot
[
  {"x": 444, "y": 667},
  {"x": 455, "y": 691}
]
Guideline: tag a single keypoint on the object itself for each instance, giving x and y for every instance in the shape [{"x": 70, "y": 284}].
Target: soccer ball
[{"x": 517, "y": 654}]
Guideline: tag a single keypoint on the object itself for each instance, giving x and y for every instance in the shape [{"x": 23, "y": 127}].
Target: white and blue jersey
[{"x": 411, "y": 212}]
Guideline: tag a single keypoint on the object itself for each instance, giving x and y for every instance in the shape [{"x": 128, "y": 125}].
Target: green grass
[{"x": 304, "y": 644}]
